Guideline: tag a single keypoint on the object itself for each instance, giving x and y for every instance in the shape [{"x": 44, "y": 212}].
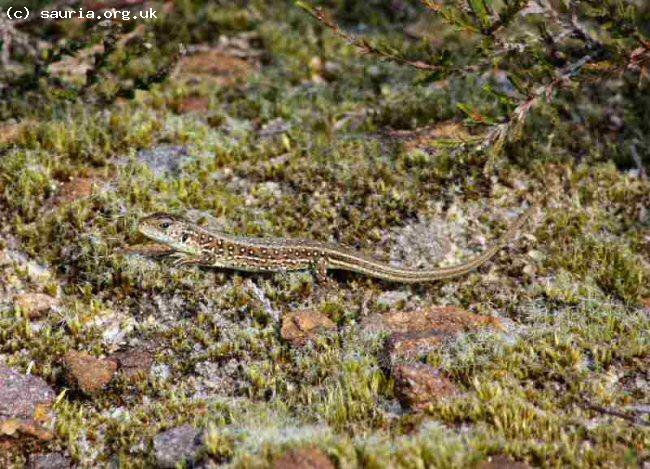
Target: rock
[
  {"x": 417, "y": 385},
  {"x": 133, "y": 362},
  {"x": 87, "y": 373},
  {"x": 33, "y": 305},
  {"x": 442, "y": 319},
  {"x": 502, "y": 462},
  {"x": 23, "y": 396},
  {"x": 415, "y": 333},
  {"x": 49, "y": 461},
  {"x": 302, "y": 326},
  {"x": 25, "y": 403},
  {"x": 306, "y": 458},
  {"x": 177, "y": 445}
]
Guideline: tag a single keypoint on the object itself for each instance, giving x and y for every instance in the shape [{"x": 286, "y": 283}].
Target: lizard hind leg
[
  {"x": 320, "y": 271},
  {"x": 182, "y": 259}
]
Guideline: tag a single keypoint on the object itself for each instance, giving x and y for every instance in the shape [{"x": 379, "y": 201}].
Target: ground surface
[{"x": 274, "y": 128}]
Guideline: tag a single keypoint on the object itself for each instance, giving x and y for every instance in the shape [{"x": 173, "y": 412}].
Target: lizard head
[{"x": 171, "y": 230}]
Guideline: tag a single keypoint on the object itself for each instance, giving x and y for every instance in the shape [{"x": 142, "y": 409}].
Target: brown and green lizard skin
[{"x": 195, "y": 245}]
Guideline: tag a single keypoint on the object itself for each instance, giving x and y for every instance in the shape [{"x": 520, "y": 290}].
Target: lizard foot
[{"x": 320, "y": 272}]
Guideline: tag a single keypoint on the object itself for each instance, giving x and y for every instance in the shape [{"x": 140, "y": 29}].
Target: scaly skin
[{"x": 195, "y": 245}]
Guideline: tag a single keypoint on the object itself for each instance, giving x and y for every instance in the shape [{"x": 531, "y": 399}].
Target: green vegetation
[{"x": 293, "y": 132}]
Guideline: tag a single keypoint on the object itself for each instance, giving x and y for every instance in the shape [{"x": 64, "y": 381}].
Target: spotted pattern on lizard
[{"x": 195, "y": 245}]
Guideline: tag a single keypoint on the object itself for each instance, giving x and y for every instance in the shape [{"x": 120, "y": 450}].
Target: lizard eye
[
  {"x": 165, "y": 225},
  {"x": 185, "y": 237}
]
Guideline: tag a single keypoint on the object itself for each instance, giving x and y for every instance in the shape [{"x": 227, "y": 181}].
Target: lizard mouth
[{"x": 156, "y": 235}]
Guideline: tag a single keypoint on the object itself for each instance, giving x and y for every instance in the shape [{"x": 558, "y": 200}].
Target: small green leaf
[
  {"x": 480, "y": 9},
  {"x": 306, "y": 6},
  {"x": 474, "y": 115}
]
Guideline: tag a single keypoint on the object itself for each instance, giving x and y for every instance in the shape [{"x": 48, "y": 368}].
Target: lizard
[{"x": 194, "y": 245}]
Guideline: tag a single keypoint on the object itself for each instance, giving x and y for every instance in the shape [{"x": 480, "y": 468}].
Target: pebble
[
  {"x": 177, "y": 445},
  {"x": 413, "y": 334},
  {"x": 87, "y": 373},
  {"x": 25, "y": 403},
  {"x": 33, "y": 305},
  {"x": 49, "y": 461},
  {"x": 417, "y": 385},
  {"x": 304, "y": 458},
  {"x": 133, "y": 362},
  {"x": 300, "y": 327}
]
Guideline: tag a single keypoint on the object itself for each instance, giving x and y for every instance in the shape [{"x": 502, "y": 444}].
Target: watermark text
[{"x": 23, "y": 14}]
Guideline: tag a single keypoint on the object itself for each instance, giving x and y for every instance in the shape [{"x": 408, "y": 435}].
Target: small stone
[
  {"x": 416, "y": 333},
  {"x": 87, "y": 373},
  {"x": 300, "y": 327},
  {"x": 443, "y": 319},
  {"x": 49, "y": 461},
  {"x": 306, "y": 458},
  {"x": 23, "y": 396},
  {"x": 133, "y": 362},
  {"x": 177, "y": 445},
  {"x": 502, "y": 462},
  {"x": 417, "y": 385},
  {"x": 25, "y": 403},
  {"x": 34, "y": 304}
]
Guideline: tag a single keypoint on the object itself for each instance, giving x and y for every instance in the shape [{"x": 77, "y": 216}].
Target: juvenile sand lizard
[{"x": 195, "y": 245}]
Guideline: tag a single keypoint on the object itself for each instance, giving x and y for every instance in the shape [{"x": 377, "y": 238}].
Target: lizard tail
[{"x": 396, "y": 274}]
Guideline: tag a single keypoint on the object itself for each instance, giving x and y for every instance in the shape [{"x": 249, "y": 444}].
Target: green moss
[{"x": 611, "y": 264}]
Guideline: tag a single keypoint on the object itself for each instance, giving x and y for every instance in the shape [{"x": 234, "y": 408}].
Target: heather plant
[{"x": 570, "y": 56}]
